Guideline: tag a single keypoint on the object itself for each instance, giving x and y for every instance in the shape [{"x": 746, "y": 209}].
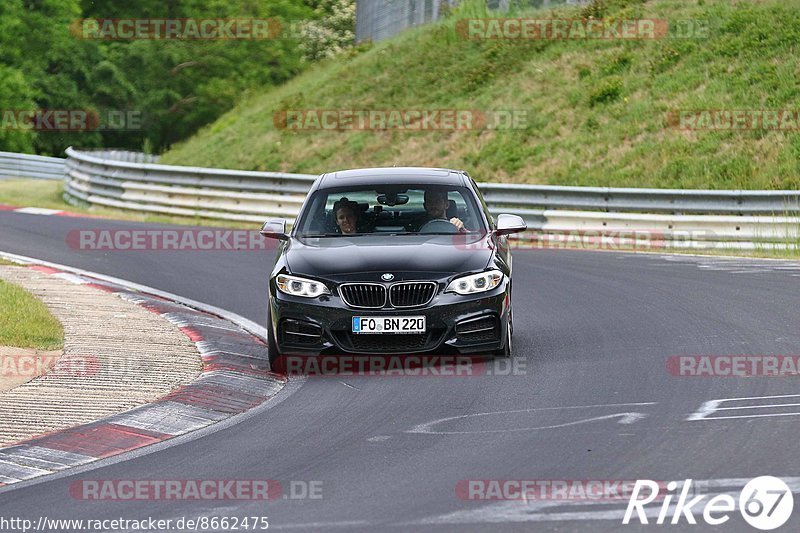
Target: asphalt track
[{"x": 592, "y": 399}]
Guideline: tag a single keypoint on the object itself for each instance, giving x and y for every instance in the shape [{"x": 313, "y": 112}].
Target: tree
[
  {"x": 174, "y": 86},
  {"x": 332, "y": 32}
]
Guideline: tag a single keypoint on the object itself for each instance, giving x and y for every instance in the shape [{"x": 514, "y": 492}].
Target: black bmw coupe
[{"x": 392, "y": 261}]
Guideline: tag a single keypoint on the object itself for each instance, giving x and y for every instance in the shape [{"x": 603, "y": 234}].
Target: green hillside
[{"x": 598, "y": 110}]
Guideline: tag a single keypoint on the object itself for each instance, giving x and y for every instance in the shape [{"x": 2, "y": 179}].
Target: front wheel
[
  {"x": 505, "y": 351},
  {"x": 272, "y": 347}
]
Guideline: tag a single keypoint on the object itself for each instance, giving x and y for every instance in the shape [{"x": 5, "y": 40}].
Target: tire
[
  {"x": 506, "y": 350},
  {"x": 272, "y": 347}
]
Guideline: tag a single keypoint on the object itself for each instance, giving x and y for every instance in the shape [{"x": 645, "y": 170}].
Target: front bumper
[{"x": 455, "y": 324}]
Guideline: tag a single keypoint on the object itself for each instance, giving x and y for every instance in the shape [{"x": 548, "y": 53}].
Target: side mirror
[
  {"x": 508, "y": 224},
  {"x": 275, "y": 229}
]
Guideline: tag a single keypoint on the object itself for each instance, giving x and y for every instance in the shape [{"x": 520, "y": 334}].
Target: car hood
[{"x": 339, "y": 256}]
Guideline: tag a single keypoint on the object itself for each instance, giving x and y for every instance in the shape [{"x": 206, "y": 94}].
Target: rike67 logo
[{"x": 765, "y": 503}]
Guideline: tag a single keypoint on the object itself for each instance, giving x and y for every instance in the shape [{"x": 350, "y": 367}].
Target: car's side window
[{"x": 485, "y": 207}]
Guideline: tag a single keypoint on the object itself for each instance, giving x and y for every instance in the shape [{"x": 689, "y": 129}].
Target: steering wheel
[{"x": 438, "y": 225}]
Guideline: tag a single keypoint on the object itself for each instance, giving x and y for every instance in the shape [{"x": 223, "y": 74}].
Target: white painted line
[
  {"x": 37, "y": 211},
  {"x": 630, "y": 418},
  {"x": 706, "y": 409},
  {"x": 760, "y": 397},
  {"x": 625, "y": 418},
  {"x": 712, "y": 406},
  {"x": 758, "y": 406},
  {"x": 749, "y": 416}
]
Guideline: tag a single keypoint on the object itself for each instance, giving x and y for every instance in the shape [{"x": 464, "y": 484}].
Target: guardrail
[
  {"x": 189, "y": 191},
  {"x": 720, "y": 218},
  {"x": 14, "y": 165},
  {"x": 674, "y": 201}
]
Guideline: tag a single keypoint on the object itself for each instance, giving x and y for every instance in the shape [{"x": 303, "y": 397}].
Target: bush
[
  {"x": 332, "y": 33},
  {"x": 607, "y": 90}
]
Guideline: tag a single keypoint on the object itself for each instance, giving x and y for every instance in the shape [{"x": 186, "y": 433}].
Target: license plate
[{"x": 388, "y": 324}]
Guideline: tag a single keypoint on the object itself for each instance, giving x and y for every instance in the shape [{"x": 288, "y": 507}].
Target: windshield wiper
[
  {"x": 319, "y": 235},
  {"x": 427, "y": 233}
]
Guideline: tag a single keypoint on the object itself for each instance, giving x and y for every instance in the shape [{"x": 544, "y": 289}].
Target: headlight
[
  {"x": 485, "y": 281},
  {"x": 295, "y": 286}
]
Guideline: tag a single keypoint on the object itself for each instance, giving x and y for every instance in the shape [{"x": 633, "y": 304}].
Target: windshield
[{"x": 395, "y": 210}]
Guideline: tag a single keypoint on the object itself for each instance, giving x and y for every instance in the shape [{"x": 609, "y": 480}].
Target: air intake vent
[
  {"x": 481, "y": 329},
  {"x": 365, "y": 295},
  {"x": 411, "y": 294}
]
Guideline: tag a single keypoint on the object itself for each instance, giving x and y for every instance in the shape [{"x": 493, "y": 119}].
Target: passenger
[
  {"x": 436, "y": 207},
  {"x": 345, "y": 213}
]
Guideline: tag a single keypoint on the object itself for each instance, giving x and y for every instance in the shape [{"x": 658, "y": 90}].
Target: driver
[
  {"x": 436, "y": 208},
  {"x": 345, "y": 213}
]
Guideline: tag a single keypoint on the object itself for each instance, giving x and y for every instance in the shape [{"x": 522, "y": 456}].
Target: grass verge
[
  {"x": 25, "y": 322},
  {"x": 601, "y": 112}
]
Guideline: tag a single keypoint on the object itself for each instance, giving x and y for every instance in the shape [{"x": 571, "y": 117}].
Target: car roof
[{"x": 392, "y": 175}]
